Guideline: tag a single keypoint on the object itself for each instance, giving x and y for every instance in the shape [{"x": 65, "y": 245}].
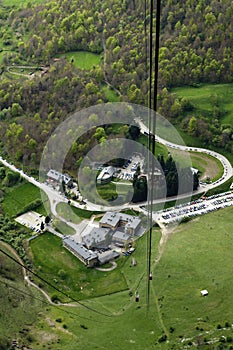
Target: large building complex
[{"x": 97, "y": 244}]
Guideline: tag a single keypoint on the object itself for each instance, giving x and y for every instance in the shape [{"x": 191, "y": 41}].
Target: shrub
[
  {"x": 163, "y": 338},
  {"x": 83, "y": 326},
  {"x": 55, "y": 298}
]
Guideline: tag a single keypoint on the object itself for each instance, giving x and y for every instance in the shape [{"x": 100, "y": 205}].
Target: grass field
[
  {"x": 198, "y": 255},
  {"x": 64, "y": 210},
  {"x": 66, "y": 272},
  {"x": 20, "y": 3},
  {"x": 207, "y": 165},
  {"x": 83, "y": 59},
  {"x": 84, "y": 214},
  {"x": 18, "y": 197},
  {"x": 63, "y": 227},
  {"x": 202, "y": 98},
  {"x": 18, "y": 305}
]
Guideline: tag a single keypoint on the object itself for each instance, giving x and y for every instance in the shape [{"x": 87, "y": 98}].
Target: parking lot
[
  {"x": 198, "y": 207},
  {"x": 32, "y": 220},
  {"x": 128, "y": 170}
]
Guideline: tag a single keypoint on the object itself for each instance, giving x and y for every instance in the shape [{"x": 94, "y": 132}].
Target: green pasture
[
  {"x": 65, "y": 210},
  {"x": 83, "y": 59},
  {"x": 113, "y": 318},
  {"x": 197, "y": 256},
  {"x": 67, "y": 273},
  {"x": 18, "y": 305},
  {"x": 63, "y": 227},
  {"x": 20, "y": 3},
  {"x": 204, "y": 97},
  {"x": 18, "y": 197},
  {"x": 84, "y": 214},
  {"x": 207, "y": 165}
]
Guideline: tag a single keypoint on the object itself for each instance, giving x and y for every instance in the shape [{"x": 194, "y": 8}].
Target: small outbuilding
[
  {"x": 105, "y": 175},
  {"x": 204, "y": 293}
]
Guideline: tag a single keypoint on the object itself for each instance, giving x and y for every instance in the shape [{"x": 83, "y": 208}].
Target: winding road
[
  {"x": 227, "y": 167},
  {"x": 55, "y": 197}
]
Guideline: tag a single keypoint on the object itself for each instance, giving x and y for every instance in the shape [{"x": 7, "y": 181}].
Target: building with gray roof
[
  {"x": 98, "y": 237},
  {"x": 88, "y": 257},
  {"x": 107, "y": 256},
  {"x": 121, "y": 238},
  {"x": 114, "y": 220},
  {"x": 58, "y": 177}
]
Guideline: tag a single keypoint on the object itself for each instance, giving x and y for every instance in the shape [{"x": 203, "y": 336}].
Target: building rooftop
[
  {"x": 107, "y": 256},
  {"x": 58, "y": 177},
  {"x": 95, "y": 236},
  {"x": 110, "y": 218},
  {"x": 106, "y": 173},
  {"x": 80, "y": 249},
  {"x": 113, "y": 219},
  {"x": 121, "y": 236}
]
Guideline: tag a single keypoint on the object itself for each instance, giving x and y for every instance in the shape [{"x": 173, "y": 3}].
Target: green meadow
[
  {"x": 19, "y": 304},
  {"x": 67, "y": 273},
  {"x": 83, "y": 59},
  {"x": 197, "y": 255},
  {"x": 18, "y": 197},
  {"x": 20, "y": 3},
  {"x": 204, "y": 97}
]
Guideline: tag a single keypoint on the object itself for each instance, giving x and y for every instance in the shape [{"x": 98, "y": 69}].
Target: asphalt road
[{"x": 55, "y": 197}]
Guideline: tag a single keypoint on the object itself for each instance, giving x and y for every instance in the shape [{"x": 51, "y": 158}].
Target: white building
[{"x": 105, "y": 175}]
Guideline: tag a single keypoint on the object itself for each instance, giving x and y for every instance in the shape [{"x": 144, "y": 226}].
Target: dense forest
[{"x": 196, "y": 47}]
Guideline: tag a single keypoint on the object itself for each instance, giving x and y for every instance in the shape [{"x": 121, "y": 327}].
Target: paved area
[
  {"x": 194, "y": 208},
  {"x": 32, "y": 220}
]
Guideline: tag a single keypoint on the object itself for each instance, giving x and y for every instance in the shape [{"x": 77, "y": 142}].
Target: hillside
[
  {"x": 19, "y": 303},
  {"x": 196, "y": 41},
  {"x": 196, "y": 256}
]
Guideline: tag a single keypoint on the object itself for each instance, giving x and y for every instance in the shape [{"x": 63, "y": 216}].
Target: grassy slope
[
  {"x": 20, "y": 3},
  {"x": 83, "y": 59},
  {"x": 124, "y": 324},
  {"x": 201, "y": 98},
  {"x": 197, "y": 256},
  {"x": 68, "y": 273},
  {"x": 19, "y": 196},
  {"x": 18, "y": 306}
]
